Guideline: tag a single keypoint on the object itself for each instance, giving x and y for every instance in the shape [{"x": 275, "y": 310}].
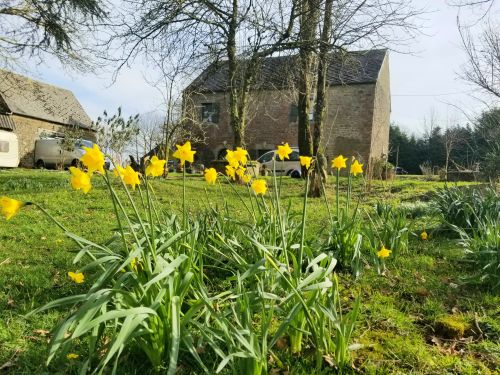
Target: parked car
[
  {"x": 289, "y": 167},
  {"x": 400, "y": 170},
  {"x": 9, "y": 149},
  {"x": 50, "y": 154}
]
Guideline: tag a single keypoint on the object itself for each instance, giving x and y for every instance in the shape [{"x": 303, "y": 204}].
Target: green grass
[{"x": 397, "y": 328}]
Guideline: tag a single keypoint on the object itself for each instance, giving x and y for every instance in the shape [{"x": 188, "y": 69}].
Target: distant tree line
[{"x": 474, "y": 146}]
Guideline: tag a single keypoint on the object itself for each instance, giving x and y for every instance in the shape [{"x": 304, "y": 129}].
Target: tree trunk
[
  {"x": 319, "y": 171},
  {"x": 308, "y": 23}
]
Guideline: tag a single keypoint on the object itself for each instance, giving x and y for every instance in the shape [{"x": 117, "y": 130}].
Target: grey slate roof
[
  {"x": 6, "y": 122},
  {"x": 26, "y": 97},
  {"x": 280, "y": 72}
]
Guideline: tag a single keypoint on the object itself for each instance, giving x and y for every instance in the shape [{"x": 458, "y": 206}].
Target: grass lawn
[{"x": 407, "y": 314}]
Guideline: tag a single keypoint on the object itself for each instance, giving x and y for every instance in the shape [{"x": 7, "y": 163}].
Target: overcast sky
[{"x": 424, "y": 81}]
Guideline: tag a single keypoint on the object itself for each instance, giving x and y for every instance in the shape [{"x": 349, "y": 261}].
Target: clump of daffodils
[{"x": 237, "y": 161}]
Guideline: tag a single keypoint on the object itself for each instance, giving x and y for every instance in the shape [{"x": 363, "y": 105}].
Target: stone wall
[
  {"x": 28, "y": 130},
  {"x": 357, "y": 121},
  {"x": 381, "y": 113}
]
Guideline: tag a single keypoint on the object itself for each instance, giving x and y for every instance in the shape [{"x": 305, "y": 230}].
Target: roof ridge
[{"x": 30, "y": 79}]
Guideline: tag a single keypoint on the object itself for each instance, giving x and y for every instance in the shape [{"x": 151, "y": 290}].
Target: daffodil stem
[
  {"x": 280, "y": 218},
  {"x": 184, "y": 197},
  {"x": 338, "y": 193},
  {"x": 241, "y": 198},
  {"x": 150, "y": 214},
  {"x": 113, "y": 199},
  {"x": 326, "y": 200},
  {"x": 303, "y": 228}
]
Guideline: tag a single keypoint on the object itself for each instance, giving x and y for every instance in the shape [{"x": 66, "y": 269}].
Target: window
[
  {"x": 294, "y": 156},
  {"x": 266, "y": 157},
  {"x": 294, "y": 113},
  {"x": 4, "y": 146},
  {"x": 210, "y": 112}
]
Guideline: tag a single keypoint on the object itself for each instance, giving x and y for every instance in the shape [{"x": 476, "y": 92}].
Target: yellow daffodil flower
[
  {"x": 240, "y": 154},
  {"x": 210, "y": 176},
  {"x": 155, "y": 167},
  {"x": 259, "y": 187},
  {"x": 356, "y": 168},
  {"x": 305, "y": 161},
  {"x": 184, "y": 153},
  {"x": 384, "y": 253},
  {"x": 232, "y": 159},
  {"x": 230, "y": 172},
  {"x": 93, "y": 159},
  {"x": 339, "y": 162},
  {"x": 119, "y": 171},
  {"x": 131, "y": 177},
  {"x": 10, "y": 207},
  {"x": 240, "y": 171},
  {"x": 284, "y": 151},
  {"x": 77, "y": 277},
  {"x": 72, "y": 356},
  {"x": 424, "y": 235},
  {"x": 80, "y": 180},
  {"x": 246, "y": 178}
]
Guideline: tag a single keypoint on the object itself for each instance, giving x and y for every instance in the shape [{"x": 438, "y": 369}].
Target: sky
[{"x": 423, "y": 82}]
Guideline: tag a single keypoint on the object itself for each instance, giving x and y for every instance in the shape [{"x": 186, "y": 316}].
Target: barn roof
[
  {"x": 26, "y": 97},
  {"x": 280, "y": 72}
]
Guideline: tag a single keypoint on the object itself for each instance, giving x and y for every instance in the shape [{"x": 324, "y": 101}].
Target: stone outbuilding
[
  {"x": 358, "y": 107},
  {"x": 34, "y": 109}
]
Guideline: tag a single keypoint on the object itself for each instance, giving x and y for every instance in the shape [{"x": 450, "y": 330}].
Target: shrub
[{"x": 466, "y": 207}]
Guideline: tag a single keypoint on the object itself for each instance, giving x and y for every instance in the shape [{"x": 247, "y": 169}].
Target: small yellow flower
[
  {"x": 59, "y": 241},
  {"x": 356, "y": 168},
  {"x": 240, "y": 154},
  {"x": 119, "y": 171},
  {"x": 93, "y": 159},
  {"x": 246, "y": 178},
  {"x": 10, "y": 207},
  {"x": 259, "y": 187},
  {"x": 424, "y": 235},
  {"x": 230, "y": 172},
  {"x": 134, "y": 263},
  {"x": 72, "y": 356},
  {"x": 240, "y": 171},
  {"x": 305, "y": 161},
  {"x": 184, "y": 153},
  {"x": 77, "y": 277},
  {"x": 131, "y": 177},
  {"x": 80, "y": 180},
  {"x": 231, "y": 159},
  {"x": 339, "y": 162},
  {"x": 284, "y": 151},
  {"x": 384, "y": 253},
  {"x": 156, "y": 167},
  {"x": 210, "y": 176}
]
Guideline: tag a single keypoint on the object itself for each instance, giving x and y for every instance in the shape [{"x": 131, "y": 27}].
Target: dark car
[{"x": 400, "y": 170}]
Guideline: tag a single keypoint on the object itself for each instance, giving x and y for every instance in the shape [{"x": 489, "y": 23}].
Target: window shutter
[{"x": 294, "y": 113}]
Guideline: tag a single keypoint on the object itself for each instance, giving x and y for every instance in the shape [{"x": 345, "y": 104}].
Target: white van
[
  {"x": 50, "y": 154},
  {"x": 289, "y": 167},
  {"x": 9, "y": 149}
]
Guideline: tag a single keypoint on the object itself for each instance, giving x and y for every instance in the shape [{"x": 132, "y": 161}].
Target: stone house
[
  {"x": 358, "y": 107},
  {"x": 34, "y": 109}
]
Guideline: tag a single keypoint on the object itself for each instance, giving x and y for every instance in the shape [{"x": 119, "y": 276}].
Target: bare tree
[
  {"x": 343, "y": 24},
  {"x": 483, "y": 58},
  {"x": 35, "y": 28},
  {"x": 235, "y": 35}
]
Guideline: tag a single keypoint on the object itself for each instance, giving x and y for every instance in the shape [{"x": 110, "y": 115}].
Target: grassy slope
[{"x": 399, "y": 310}]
